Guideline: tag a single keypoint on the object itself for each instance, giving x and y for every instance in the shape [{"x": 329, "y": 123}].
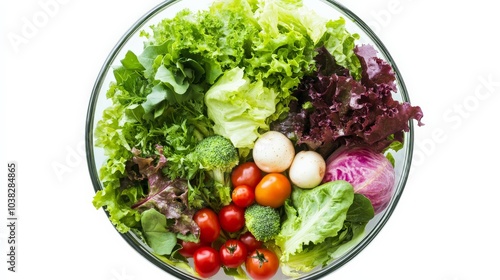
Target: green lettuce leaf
[
  {"x": 291, "y": 15},
  {"x": 318, "y": 255},
  {"x": 119, "y": 210},
  {"x": 340, "y": 43},
  {"x": 313, "y": 216},
  {"x": 239, "y": 108},
  {"x": 321, "y": 254},
  {"x": 154, "y": 228}
]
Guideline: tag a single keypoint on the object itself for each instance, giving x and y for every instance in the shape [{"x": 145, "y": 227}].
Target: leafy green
[
  {"x": 361, "y": 210},
  {"x": 117, "y": 205},
  {"x": 340, "y": 44},
  {"x": 154, "y": 228},
  {"x": 240, "y": 108},
  {"x": 237, "y": 273},
  {"x": 320, "y": 254},
  {"x": 179, "y": 263},
  {"x": 314, "y": 215},
  {"x": 202, "y": 45},
  {"x": 393, "y": 148}
]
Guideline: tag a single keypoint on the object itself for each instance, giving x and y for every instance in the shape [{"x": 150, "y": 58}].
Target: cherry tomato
[
  {"x": 249, "y": 240},
  {"x": 233, "y": 253},
  {"x": 273, "y": 190},
  {"x": 246, "y": 174},
  {"x": 206, "y": 261},
  {"x": 232, "y": 218},
  {"x": 188, "y": 248},
  {"x": 262, "y": 264},
  {"x": 209, "y": 225},
  {"x": 243, "y": 196}
]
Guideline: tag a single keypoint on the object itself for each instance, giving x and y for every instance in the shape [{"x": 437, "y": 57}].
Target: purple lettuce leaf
[
  {"x": 375, "y": 71},
  {"x": 334, "y": 109}
]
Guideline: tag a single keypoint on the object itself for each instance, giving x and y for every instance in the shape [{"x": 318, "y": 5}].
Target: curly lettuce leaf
[
  {"x": 344, "y": 111},
  {"x": 283, "y": 52},
  {"x": 115, "y": 200},
  {"x": 340, "y": 43},
  {"x": 201, "y": 46},
  {"x": 118, "y": 204}
]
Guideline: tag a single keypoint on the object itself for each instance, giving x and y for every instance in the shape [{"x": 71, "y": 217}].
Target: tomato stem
[{"x": 260, "y": 257}]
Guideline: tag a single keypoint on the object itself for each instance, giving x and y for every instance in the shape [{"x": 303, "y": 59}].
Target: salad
[{"x": 250, "y": 137}]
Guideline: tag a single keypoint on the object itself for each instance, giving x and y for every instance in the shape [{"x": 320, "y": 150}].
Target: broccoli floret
[
  {"x": 262, "y": 221},
  {"x": 217, "y": 154}
]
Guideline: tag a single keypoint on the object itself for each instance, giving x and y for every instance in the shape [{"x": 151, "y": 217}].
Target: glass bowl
[{"x": 167, "y": 9}]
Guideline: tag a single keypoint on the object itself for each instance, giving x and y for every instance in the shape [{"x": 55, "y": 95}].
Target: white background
[{"x": 446, "y": 226}]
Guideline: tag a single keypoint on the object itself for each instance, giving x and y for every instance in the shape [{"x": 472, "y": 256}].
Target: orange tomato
[{"x": 273, "y": 190}]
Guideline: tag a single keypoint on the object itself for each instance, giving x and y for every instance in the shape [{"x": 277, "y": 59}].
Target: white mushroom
[
  {"x": 307, "y": 169},
  {"x": 273, "y": 152}
]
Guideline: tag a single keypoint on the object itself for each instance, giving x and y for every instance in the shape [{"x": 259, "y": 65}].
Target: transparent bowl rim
[{"x": 135, "y": 243}]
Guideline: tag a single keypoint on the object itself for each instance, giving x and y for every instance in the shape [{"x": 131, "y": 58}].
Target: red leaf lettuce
[
  {"x": 169, "y": 197},
  {"x": 334, "y": 109}
]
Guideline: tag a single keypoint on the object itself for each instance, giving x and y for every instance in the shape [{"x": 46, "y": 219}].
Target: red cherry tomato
[
  {"x": 246, "y": 174},
  {"x": 249, "y": 240},
  {"x": 273, "y": 190},
  {"x": 206, "y": 261},
  {"x": 188, "y": 248},
  {"x": 243, "y": 196},
  {"x": 233, "y": 253},
  {"x": 262, "y": 264},
  {"x": 208, "y": 222},
  {"x": 232, "y": 218}
]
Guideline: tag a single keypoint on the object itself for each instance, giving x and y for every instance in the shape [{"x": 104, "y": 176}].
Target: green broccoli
[
  {"x": 218, "y": 155},
  {"x": 262, "y": 221}
]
